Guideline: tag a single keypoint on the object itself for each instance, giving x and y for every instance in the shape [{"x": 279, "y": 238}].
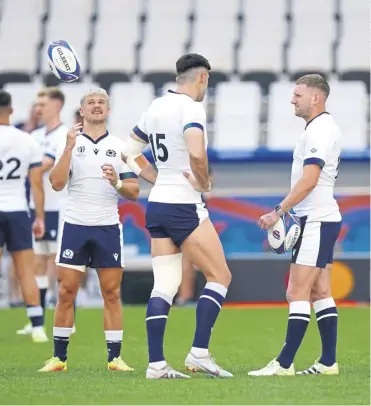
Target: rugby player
[
  {"x": 49, "y": 103},
  {"x": 19, "y": 157},
  {"x": 314, "y": 172},
  {"x": 91, "y": 236},
  {"x": 176, "y": 217}
]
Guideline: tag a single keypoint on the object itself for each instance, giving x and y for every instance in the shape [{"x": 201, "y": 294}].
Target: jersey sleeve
[
  {"x": 317, "y": 146},
  {"x": 194, "y": 116},
  {"x": 140, "y": 129},
  {"x": 36, "y": 154}
]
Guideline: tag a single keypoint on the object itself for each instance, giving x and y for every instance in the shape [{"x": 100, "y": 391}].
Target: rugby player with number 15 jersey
[
  {"x": 176, "y": 217},
  {"x": 314, "y": 172}
]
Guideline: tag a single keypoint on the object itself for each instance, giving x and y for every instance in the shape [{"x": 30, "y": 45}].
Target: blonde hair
[
  {"x": 53, "y": 93},
  {"x": 99, "y": 91}
]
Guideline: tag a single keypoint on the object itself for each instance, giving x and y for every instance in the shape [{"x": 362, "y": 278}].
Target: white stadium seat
[
  {"x": 264, "y": 33},
  {"x": 20, "y": 33},
  {"x": 237, "y": 116},
  {"x": 128, "y": 101},
  {"x": 163, "y": 42},
  {"x": 354, "y": 47},
  {"x": 23, "y": 97},
  {"x": 313, "y": 30},
  {"x": 73, "y": 93},
  {"x": 348, "y": 105},
  {"x": 284, "y": 128},
  {"x": 69, "y": 20},
  {"x": 216, "y": 32},
  {"x": 117, "y": 32}
]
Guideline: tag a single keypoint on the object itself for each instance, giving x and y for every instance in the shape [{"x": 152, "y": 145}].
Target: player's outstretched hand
[
  {"x": 268, "y": 220},
  {"x": 74, "y": 132},
  {"x": 38, "y": 228},
  {"x": 110, "y": 174},
  {"x": 192, "y": 180}
]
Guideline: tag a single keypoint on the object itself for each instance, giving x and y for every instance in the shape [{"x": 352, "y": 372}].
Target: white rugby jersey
[
  {"x": 92, "y": 200},
  {"x": 162, "y": 126},
  {"x": 18, "y": 153},
  {"x": 319, "y": 144},
  {"x": 48, "y": 143}
]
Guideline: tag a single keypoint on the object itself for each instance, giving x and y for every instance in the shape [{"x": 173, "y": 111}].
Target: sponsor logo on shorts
[
  {"x": 68, "y": 254},
  {"x": 313, "y": 150},
  {"x": 115, "y": 256},
  {"x": 276, "y": 234}
]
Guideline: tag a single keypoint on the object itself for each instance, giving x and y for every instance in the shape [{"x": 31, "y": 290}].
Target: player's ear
[
  {"x": 81, "y": 112},
  {"x": 11, "y": 111}
]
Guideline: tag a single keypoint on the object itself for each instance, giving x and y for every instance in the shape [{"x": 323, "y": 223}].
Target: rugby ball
[
  {"x": 63, "y": 61},
  {"x": 283, "y": 236}
]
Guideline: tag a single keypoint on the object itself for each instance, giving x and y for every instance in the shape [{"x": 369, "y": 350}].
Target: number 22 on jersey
[{"x": 9, "y": 168}]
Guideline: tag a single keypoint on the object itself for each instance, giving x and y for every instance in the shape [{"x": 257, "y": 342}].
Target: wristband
[
  {"x": 279, "y": 210},
  {"x": 118, "y": 185}
]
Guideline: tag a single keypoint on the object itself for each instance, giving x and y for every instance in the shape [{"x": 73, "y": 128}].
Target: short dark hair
[
  {"x": 190, "y": 61},
  {"x": 5, "y": 99},
  {"x": 53, "y": 93},
  {"x": 316, "y": 81}
]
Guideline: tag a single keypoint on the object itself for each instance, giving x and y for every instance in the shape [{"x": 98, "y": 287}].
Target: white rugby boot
[
  {"x": 274, "y": 368},
  {"x": 206, "y": 365},
  {"x": 319, "y": 369},
  {"x": 26, "y": 330},
  {"x": 164, "y": 373}
]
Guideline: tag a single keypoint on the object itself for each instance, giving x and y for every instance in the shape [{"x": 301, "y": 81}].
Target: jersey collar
[
  {"x": 53, "y": 129},
  {"x": 183, "y": 94},
  {"x": 320, "y": 114},
  {"x": 98, "y": 139}
]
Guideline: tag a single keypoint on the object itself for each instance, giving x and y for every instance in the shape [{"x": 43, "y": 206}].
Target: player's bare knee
[
  {"x": 167, "y": 272},
  {"x": 295, "y": 293},
  {"x": 319, "y": 294},
  {"x": 67, "y": 291},
  {"x": 111, "y": 295}
]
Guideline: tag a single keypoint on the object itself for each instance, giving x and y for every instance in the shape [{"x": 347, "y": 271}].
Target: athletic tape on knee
[{"x": 167, "y": 273}]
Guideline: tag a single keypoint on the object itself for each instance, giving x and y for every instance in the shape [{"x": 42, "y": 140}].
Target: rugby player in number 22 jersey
[{"x": 19, "y": 157}]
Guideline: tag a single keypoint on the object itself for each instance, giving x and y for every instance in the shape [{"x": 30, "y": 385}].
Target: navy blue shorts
[
  {"x": 15, "y": 230},
  {"x": 315, "y": 246},
  {"x": 173, "y": 220},
  {"x": 92, "y": 246},
  {"x": 51, "y": 225}
]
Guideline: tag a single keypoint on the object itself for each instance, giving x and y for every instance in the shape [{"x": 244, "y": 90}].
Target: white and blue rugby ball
[
  {"x": 283, "y": 236},
  {"x": 63, "y": 61}
]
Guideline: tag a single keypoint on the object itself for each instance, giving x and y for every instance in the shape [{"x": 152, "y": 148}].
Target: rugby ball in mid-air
[
  {"x": 63, "y": 61},
  {"x": 283, "y": 236}
]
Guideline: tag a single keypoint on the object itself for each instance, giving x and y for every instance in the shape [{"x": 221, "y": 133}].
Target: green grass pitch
[{"x": 242, "y": 340}]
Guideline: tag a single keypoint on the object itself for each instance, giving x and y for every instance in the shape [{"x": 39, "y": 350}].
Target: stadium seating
[
  {"x": 254, "y": 41},
  {"x": 68, "y": 20},
  {"x": 117, "y": 34},
  {"x": 313, "y": 29},
  {"x": 23, "y": 97},
  {"x": 128, "y": 100},
  {"x": 237, "y": 115},
  {"x": 166, "y": 34},
  {"x": 353, "y": 59},
  {"x": 348, "y": 105},
  {"x": 261, "y": 54},
  {"x": 20, "y": 35},
  {"x": 215, "y": 34}
]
